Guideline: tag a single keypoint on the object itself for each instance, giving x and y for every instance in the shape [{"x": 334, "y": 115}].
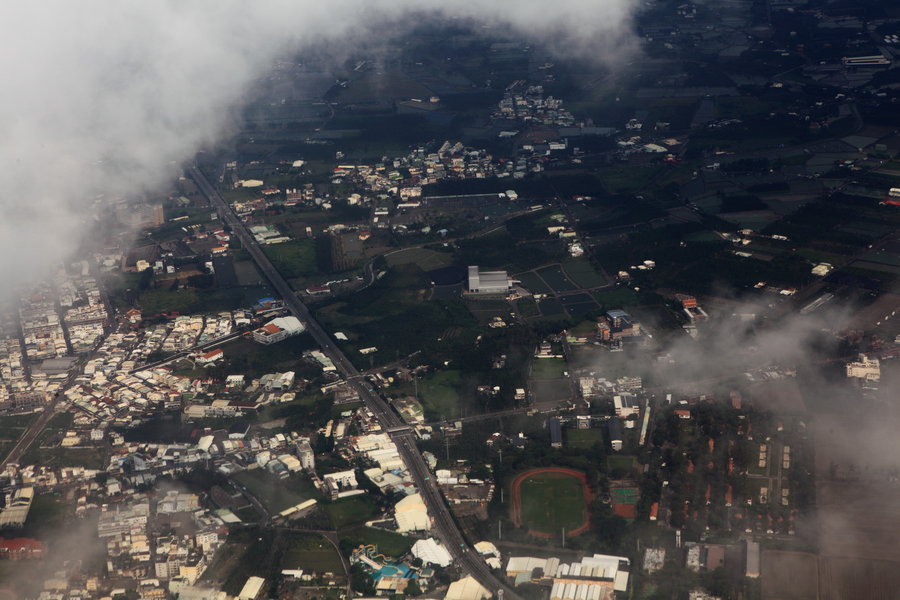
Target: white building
[
  {"x": 488, "y": 282},
  {"x": 867, "y": 369},
  {"x": 411, "y": 514},
  {"x": 278, "y": 329},
  {"x": 431, "y": 552}
]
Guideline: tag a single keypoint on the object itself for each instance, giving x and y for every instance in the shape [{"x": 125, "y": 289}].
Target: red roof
[{"x": 21, "y": 545}]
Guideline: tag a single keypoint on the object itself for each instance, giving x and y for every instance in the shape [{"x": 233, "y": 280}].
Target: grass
[
  {"x": 293, "y": 259},
  {"x": 556, "y": 279},
  {"x": 389, "y": 543},
  {"x": 533, "y": 283},
  {"x": 617, "y": 298},
  {"x": 551, "y": 502},
  {"x": 425, "y": 259},
  {"x": 583, "y": 438},
  {"x": 439, "y": 396},
  {"x": 310, "y": 552},
  {"x": 527, "y": 308},
  {"x": 276, "y": 494},
  {"x": 350, "y": 511},
  {"x": 548, "y": 368},
  {"x": 583, "y": 273}
]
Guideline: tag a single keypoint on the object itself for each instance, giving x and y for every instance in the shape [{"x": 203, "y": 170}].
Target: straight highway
[{"x": 443, "y": 524}]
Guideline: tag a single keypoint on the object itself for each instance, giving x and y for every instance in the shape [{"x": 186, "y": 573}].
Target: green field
[
  {"x": 547, "y": 368},
  {"x": 583, "y": 273},
  {"x": 583, "y": 438},
  {"x": 438, "y": 394},
  {"x": 311, "y": 553},
  {"x": 350, "y": 511},
  {"x": 389, "y": 543},
  {"x": 533, "y": 283},
  {"x": 425, "y": 259},
  {"x": 551, "y": 502},
  {"x": 293, "y": 259}
]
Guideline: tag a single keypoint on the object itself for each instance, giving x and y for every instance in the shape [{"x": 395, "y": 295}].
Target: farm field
[
  {"x": 533, "y": 283},
  {"x": 556, "y": 279},
  {"x": 789, "y": 575},
  {"x": 551, "y": 307},
  {"x": 425, "y": 259},
  {"x": 583, "y": 273},
  {"x": 549, "y": 500}
]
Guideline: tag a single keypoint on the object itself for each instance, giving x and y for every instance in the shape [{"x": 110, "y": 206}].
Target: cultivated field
[
  {"x": 789, "y": 575},
  {"x": 425, "y": 259}
]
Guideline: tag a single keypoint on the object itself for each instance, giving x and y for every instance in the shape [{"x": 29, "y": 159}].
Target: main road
[{"x": 402, "y": 435}]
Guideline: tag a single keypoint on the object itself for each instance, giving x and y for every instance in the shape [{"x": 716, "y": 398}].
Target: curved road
[{"x": 403, "y": 436}]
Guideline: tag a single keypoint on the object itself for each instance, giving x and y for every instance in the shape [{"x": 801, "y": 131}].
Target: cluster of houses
[{"x": 527, "y": 104}]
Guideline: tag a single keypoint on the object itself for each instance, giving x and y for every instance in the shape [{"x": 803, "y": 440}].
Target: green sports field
[{"x": 551, "y": 502}]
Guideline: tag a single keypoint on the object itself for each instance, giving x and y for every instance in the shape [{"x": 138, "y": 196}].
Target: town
[{"x": 483, "y": 324}]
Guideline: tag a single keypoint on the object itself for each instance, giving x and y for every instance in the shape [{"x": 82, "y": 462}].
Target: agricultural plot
[
  {"x": 841, "y": 577},
  {"x": 581, "y": 272},
  {"x": 425, "y": 259},
  {"x": 556, "y": 279},
  {"x": 551, "y": 307},
  {"x": 789, "y": 576},
  {"x": 533, "y": 283}
]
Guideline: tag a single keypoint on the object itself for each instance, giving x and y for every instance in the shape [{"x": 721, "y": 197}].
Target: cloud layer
[{"x": 106, "y": 98}]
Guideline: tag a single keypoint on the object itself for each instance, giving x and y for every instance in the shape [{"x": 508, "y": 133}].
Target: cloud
[{"x": 105, "y": 98}]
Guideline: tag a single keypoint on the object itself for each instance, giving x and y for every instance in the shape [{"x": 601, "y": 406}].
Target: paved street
[{"x": 443, "y": 524}]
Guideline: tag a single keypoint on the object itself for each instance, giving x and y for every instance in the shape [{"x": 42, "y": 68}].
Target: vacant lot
[
  {"x": 310, "y": 552},
  {"x": 350, "y": 511},
  {"x": 293, "y": 259},
  {"x": 276, "y": 494}
]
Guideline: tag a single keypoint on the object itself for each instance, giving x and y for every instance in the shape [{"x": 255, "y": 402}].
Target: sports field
[{"x": 548, "y": 500}]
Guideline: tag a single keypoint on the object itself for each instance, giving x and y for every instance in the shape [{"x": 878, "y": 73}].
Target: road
[{"x": 403, "y": 436}]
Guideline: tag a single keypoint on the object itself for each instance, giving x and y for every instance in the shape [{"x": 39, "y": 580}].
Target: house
[{"x": 208, "y": 358}]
